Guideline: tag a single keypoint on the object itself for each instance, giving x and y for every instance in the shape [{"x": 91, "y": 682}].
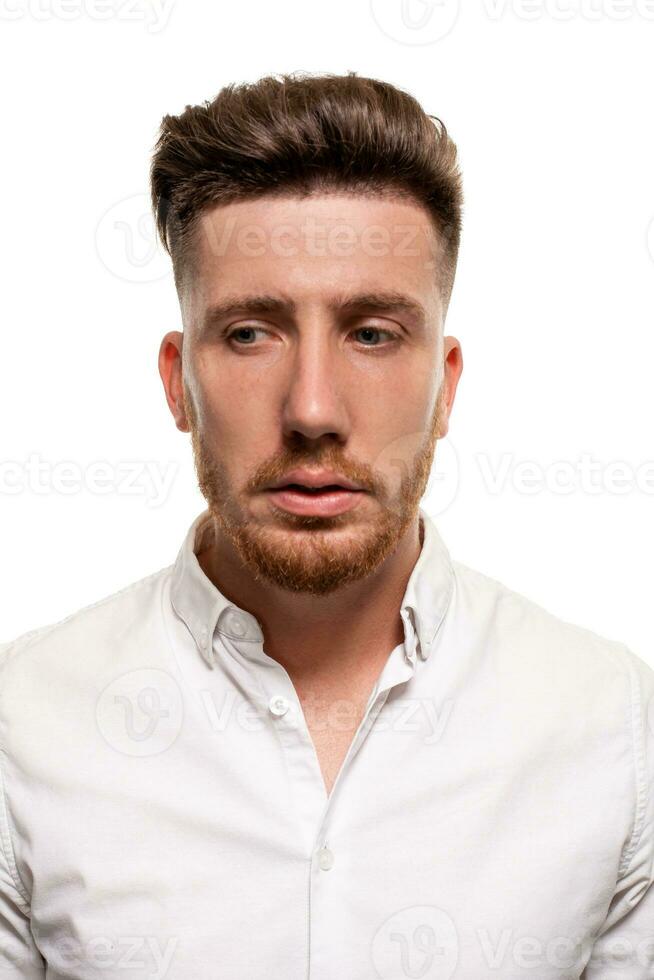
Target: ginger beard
[{"x": 305, "y": 553}]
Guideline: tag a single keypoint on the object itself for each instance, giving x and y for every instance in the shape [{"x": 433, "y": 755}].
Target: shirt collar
[{"x": 204, "y": 609}]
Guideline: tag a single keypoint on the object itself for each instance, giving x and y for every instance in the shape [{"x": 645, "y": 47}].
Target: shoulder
[
  {"x": 84, "y": 641},
  {"x": 568, "y": 698},
  {"x": 528, "y": 639}
]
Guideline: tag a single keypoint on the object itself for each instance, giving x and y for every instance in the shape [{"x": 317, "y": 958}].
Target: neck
[{"x": 351, "y": 630}]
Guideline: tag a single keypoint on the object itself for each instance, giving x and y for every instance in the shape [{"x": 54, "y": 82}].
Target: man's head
[{"x": 304, "y": 215}]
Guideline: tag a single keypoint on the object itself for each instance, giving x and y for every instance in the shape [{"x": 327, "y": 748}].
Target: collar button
[
  {"x": 236, "y": 624},
  {"x": 278, "y": 705}
]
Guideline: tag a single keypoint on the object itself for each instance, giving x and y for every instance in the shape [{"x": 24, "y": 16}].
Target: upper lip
[{"x": 314, "y": 478}]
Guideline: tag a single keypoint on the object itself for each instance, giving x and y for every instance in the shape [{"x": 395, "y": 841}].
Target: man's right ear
[{"x": 170, "y": 370}]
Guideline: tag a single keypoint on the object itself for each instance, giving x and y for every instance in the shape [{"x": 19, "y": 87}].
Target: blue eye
[
  {"x": 374, "y": 330},
  {"x": 230, "y": 336}
]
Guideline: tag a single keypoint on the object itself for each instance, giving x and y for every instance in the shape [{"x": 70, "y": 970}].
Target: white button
[
  {"x": 278, "y": 705},
  {"x": 237, "y": 625},
  {"x": 325, "y": 858}
]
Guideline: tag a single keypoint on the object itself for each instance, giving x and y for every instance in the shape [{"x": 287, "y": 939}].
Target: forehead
[{"x": 311, "y": 247}]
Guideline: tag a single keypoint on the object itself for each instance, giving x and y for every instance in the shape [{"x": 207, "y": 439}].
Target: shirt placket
[
  {"x": 312, "y": 806},
  {"x": 323, "y": 868}
]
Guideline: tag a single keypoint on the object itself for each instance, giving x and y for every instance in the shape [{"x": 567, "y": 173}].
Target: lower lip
[{"x": 326, "y": 504}]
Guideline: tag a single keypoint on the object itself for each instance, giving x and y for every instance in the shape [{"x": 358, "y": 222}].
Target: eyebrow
[{"x": 384, "y": 301}]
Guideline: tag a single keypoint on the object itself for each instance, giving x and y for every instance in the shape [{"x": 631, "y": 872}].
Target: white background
[{"x": 550, "y": 104}]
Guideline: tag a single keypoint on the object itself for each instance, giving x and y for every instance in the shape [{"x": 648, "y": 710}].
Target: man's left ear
[{"x": 452, "y": 368}]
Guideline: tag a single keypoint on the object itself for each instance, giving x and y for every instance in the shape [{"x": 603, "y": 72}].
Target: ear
[
  {"x": 452, "y": 368},
  {"x": 170, "y": 369}
]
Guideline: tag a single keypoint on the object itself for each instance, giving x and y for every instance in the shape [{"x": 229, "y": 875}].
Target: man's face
[{"x": 316, "y": 364}]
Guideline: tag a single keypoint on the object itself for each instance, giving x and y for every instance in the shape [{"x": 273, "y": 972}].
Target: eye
[
  {"x": 233, "y": 338},
  {"x": 239, "y": 330},
  {"x": 375, "y": 330}
]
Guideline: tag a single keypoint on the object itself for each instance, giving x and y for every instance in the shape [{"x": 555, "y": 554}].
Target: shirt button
[
  {"x": 278, "y": 705},
  {"x": 325, "y": 859},
  {"x": 237, "y": 626}
]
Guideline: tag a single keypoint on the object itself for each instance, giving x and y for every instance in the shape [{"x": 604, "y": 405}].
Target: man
[{"x": 315, "y": 746}]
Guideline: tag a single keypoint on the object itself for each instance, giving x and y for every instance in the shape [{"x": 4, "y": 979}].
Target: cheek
[
  {"x": 407, "y": 408},
  {"x": 237, "y": 426},
  {"x": 397, "y": 433},
  {"x": 226, "y": 398}
]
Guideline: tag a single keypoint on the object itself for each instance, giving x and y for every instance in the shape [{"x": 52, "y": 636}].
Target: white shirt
[{"x": 164, "y": 814}]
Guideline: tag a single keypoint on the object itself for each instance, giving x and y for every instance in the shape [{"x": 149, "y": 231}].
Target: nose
[{"x": 315, "y": 402}]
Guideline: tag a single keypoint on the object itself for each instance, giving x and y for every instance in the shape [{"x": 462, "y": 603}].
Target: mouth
[
  {"x": 325, "y": 501},
  {"x": 315, "y": 491}
]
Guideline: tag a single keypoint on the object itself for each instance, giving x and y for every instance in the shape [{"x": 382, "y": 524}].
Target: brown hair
[{"x": 298, "y": 134}]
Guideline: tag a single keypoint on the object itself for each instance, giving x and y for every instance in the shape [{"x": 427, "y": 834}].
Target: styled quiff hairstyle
[{"x": 299, "y": 134}]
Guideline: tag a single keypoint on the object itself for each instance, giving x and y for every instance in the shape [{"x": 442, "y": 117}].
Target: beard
[{"x": 306, "y": 553}]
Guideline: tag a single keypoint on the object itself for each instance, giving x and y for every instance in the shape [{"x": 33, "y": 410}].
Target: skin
[{"x": 314, "y": 384}]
